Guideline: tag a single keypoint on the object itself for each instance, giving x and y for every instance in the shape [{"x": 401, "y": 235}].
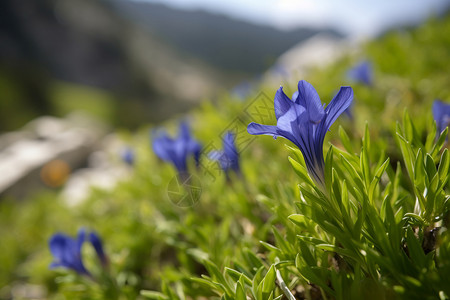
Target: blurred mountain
[
  {"x": 226, "y": 43},
  {"x": 125, "y": 62}
]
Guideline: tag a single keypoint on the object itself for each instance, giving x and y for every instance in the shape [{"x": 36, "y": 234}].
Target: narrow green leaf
[
  {"x": 328, "y": 166},
  {"x": 430, "y": 167},
  {"x": 440, "y": 142},
  {"x": 236, "y": 275},
  {"x": 153, "y": 295},
  {"x": 415, "y": 249},
  {"x": 444, "y": 164},
  {"x": 300, "y": 170},
  {"x": 345, "y": 140},
  {"x": 298, "y": 220},
  {"x": 240, "y": 292},
  {"x": 269, "y": 281},
  {"x": 419, "y": 170}
]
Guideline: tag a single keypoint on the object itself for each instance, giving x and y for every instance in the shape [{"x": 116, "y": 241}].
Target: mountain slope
[{"x": 226, "y": 43}]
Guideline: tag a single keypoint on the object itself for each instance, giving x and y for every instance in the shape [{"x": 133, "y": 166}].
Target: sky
[{"x": 356, "y": 17}]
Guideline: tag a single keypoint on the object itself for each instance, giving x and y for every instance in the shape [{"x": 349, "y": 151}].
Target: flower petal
[
  {"x": 282, "y": 103},
  {"x": 438, "y": 114},
  {"x": 80, "y": 239},
  {"x": 215, "y": 155},
  {"x": 57, "y": 245},
  {"x": 337, "y": 106},
  {"x": 96, "y": 242},
  {"x": 257, "y": 129},
  {"x": 308, "y": 98}
]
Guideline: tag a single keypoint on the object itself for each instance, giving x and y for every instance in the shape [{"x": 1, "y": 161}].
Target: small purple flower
[
  {"x": 362, "y": 72},
  {"x": 128, "y": 156},
  {"x": 177, "y": 150},
  {"x": 441, "y": 114},
  {"x": 66, "y": 252},
  {"x": 304, "y": 121},
  {"x": 98, "y": 246},
  {"x": 229, "y": 157}
]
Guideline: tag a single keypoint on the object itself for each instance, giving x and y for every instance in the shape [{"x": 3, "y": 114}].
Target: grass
[{"x": 378, "y": 231}]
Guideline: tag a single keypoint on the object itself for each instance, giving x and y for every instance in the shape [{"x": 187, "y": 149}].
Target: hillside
[{"x": 224, "y": 42}]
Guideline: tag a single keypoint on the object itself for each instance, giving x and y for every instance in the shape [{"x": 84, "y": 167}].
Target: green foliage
[{"x": 377, "y": 231}]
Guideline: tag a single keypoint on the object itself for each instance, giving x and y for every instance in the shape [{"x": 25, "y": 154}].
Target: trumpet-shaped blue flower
[
  {"x": 304, "y": 121},
  {"x": 177, "y": 150},
  {"x": 98, "y": 246},
  {"x": 67, "y": 252},
  {"x": 228, "y": 158},
  {"x": 362, "y": 72},
  {"x": 127, "y": 155},
  {"x": 441, "y": 114}
]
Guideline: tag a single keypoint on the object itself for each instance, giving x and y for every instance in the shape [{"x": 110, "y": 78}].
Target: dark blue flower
[
  {"x": 128, "y": 155},
  {"x": 98, "y": 246},
  {"x": 362, "y": 72},
  {"x": 441, "y": 114},
  {"x": 66, "y": 252},
  {"x": 228, "y": 158},
  {"x": 177, "y": 150},
  {"x": 304, "y": 121}
]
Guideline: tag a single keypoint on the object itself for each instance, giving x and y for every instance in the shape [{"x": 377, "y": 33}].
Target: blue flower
[
  {"x": 98, "y": 246},
  {"x": 128, "y": 156},
  {"x": 304, "y": 121},
  {"x": 362, "y": 72},
  {"x": 177, "y": 150},
  {"x": 441, "y": 114},
  {"x": 229, "y": 157},
  {"x": 67, "y": 252}
]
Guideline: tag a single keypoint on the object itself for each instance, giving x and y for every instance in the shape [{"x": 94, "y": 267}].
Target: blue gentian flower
[
  {"x": 229, "y": 157},
  {"x": 128, "y": 156},
  {"x": 98, "y": 246},
  {"x": 441, "y": 114},
  {"x": 177, "y": 150},
  {"x": 67, "y": 252},
  {"x": 304, "y": 121},
  {"x": 362, "y": 72}
]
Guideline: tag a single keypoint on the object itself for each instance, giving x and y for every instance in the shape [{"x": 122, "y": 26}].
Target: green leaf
[
  {"x": 252, "y": 260},
  {"x": 307, "y": 255},
  {"x": 345, "y": 140},
  {"x": 300, "y": 170},
  {"x": 270, "y": 247},
  {"x": 430, "y": 167},
  {"x": 215, "y": 273},
  {"x": 269, "y": 281},
  {"x": 153, "y": 295},
  {"x": 240, "y": 292},
  {"x": 440, "y": 142},
  {"x": 281, "y": 241},
  {"x": 328, "y": 166},
  {"x": 377, "y": 178},
  {"x": 444, "y": 164},
  {"x": 339, "y": 250},
  {"x": 419, "y": 171},
  {"x": 407, "y": 154},
  {"x": 236, "y": 275},
  {"x": 310, "y": 240},
  {"x": 415, "y": 249},
  {"x": 256, "y": 285},
  {"x": 365, "y": 167},
  {"x": 298, "y": 220},
  {"x": 366, "y": 138}
]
